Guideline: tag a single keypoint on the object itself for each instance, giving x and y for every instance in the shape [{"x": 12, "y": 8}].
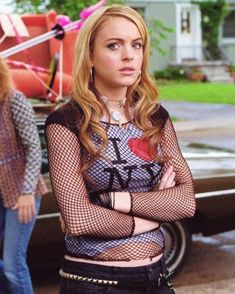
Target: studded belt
[
  {"x": 159, "y": 281},
  {"x": 86, "y": 279}
]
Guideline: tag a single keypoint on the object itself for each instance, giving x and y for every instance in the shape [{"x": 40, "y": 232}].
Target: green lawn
[{"x": 197, "y": 92}]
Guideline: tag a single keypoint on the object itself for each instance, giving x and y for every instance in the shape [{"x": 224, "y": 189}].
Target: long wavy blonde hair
[
  {"x": 142, "y": 95},
  {"x": 6, "y": 83}
]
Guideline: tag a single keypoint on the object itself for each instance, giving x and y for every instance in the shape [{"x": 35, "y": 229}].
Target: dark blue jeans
[{"x": 133, "y": 280}]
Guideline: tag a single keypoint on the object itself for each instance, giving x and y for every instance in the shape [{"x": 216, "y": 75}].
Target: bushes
[
  {"x": 171, "y": 73},
  {"x": 232, "y": 71},
  {"x": 178, "y": 74}
]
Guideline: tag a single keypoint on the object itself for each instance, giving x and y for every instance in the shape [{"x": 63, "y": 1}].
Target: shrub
[{"x": 171, "y": 73}]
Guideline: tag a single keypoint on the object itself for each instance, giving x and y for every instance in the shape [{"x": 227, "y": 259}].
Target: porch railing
[
  {"x": 186, "y": 53},
  {"x": 196, "y": 53}
]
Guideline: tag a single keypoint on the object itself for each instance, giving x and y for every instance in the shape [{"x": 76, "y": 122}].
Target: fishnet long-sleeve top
[
  {"x": 173, "y": 203},
  {"x": 127, "y": 170}
]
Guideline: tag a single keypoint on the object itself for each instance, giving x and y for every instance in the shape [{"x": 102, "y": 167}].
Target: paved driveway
[
  {"x": 210, "y": 269},
  {"x": 212, "y": 124},
  {"x": 199, "y": 111}
]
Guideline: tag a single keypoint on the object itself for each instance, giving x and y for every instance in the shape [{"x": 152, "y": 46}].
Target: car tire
[{"x": 178, "y": 243}]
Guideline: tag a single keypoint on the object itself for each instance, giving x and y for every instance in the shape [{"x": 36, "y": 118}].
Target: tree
[
  {"x": 71, "y": 8},
  {"x": 158, "y": 32},
  {"x": 213, "y": 13}
]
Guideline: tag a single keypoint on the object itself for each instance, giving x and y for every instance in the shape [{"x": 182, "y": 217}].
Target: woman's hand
[
  {"x": 26, "y": 208},
  {"x": 168, "y": 179}
]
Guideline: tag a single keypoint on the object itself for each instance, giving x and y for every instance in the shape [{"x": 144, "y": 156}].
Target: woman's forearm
[
  {"x": 144, "y": 225},
  {"x": 122, "y": 203}
]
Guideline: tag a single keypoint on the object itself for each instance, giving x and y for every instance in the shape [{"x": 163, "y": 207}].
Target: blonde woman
[
  {"x": 116, "y": 169},
  {"x": 20, "y": 183}
]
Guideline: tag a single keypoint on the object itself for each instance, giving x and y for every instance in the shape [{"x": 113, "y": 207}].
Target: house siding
[{"x": 165, "y": 12}]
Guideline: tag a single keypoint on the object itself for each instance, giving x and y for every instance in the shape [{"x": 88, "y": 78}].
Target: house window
[
  {"x": 185, "y": 22},
  {"x": 229, "y": 25}
]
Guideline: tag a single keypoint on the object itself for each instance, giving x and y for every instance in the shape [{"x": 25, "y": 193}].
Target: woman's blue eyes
[
  {"x": 113, "y": 46},
  {"x": 117, "y": 45},
  {"x": 137, "y": 45}
]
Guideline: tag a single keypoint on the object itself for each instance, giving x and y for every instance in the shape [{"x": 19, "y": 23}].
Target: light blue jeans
[{"x": 14, "y": 273}]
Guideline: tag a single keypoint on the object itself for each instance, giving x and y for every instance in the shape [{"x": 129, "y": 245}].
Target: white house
[
  {"x": 184, "y": 46},
  {"x": 184, "y": 17}
]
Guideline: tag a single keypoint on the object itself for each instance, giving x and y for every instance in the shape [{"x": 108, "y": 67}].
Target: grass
[{"x": 197, "y": 92}]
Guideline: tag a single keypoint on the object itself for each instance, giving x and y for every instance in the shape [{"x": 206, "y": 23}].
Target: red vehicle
[
  {"x": 44, "y": 70},
  {"x": 40, "y": 49}
]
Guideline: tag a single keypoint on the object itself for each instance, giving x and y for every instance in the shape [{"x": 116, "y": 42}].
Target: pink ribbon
[
  {"x": 19, "y": 64},
  {"x": 19, "y": 39}
]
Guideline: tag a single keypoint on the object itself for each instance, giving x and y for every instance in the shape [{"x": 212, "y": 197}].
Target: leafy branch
[{"x": 158, "y": 32}]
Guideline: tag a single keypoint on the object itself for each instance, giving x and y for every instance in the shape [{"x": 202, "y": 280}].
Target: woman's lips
[{"x": 127, "y": 70}]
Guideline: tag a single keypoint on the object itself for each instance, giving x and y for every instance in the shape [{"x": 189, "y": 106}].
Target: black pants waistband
[{"x": 141, "y": 276}]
